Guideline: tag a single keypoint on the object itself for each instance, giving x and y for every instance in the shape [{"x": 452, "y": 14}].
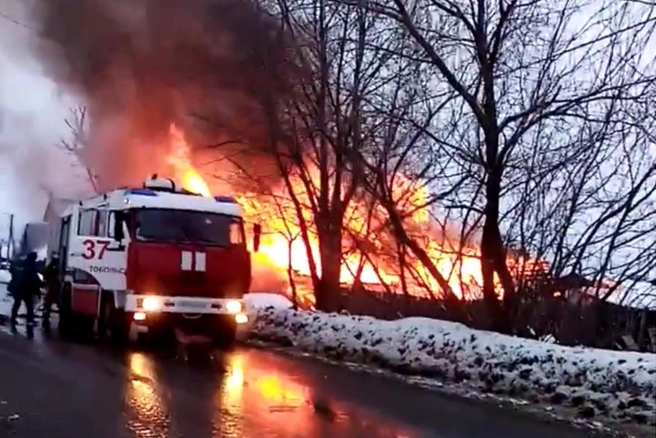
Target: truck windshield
[{"x": 189, "y": 227}]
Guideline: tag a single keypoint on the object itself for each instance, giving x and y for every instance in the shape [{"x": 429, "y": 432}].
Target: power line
[
  {"x": 19, "y": 23},
  {"x": 35, "y": 32}
]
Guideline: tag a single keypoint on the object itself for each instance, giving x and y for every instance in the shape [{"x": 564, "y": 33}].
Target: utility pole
[{"x": 10, "y": 243}]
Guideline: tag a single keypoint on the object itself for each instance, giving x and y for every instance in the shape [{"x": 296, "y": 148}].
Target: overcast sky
[{"x": 32, "y": 113}]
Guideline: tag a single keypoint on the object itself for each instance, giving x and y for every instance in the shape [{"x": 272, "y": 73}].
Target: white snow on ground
[
  {"x": 264, "y": 300},
  {"x": 256, "y": 302},
  {"x": 621, "y": 385},
  {"x": 5, "y": 276}
]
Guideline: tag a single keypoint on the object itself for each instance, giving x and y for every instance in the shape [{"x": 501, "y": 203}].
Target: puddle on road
[
  {"x": 146, "y": 410},
  {"x": 262, "y": 400}
]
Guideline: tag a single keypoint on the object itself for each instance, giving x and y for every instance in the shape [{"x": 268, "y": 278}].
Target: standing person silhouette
[
  {"x": 26, "y": 285},
  {"x": 52, "y": 283}
]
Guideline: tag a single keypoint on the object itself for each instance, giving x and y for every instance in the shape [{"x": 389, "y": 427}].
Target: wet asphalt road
[{"x": 50, "y": 388}]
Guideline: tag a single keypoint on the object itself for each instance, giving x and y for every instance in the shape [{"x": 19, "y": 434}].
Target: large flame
[
  {"x": 457, "y": 261},
  {"x": 180, "y": 161}
]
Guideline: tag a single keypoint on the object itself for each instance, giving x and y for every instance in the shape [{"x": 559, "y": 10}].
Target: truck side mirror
[
  {"x": 118, "y": 226},
  {"x": 257, "y": 234}
]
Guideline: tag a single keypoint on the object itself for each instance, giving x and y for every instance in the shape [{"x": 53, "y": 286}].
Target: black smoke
[{"x": 138, "y": 65}]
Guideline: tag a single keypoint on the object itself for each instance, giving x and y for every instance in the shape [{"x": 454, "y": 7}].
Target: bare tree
[
  {"x": 591, "y": 216},
  {"x": 78, "y": 125},
  {"x": 401, "y": 163},
  {"x": 312, "y": 132},
  {"x": 526, "y": 75}
]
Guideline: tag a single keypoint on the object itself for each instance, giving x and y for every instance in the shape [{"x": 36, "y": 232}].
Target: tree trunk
[
  {"x": 493, "y": 258},
  {"x": 330, "y": 253},
  {"x": 642, "y": 330},
  {"x": 290, "y": 275},
  {"x": 328, "y": 289}
]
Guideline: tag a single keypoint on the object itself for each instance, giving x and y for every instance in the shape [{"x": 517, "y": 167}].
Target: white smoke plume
[{"x": 32, "y": 113}]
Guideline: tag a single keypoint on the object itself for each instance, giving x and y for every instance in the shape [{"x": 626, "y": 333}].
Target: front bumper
[
  {"x": 183, "y": 305},
  {"x": 191, "y": 314}
]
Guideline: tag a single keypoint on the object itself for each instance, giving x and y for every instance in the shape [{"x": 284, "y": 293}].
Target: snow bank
[
  {"x": 5, "y": 276},
  {"x": 255, "y": 303},
  {"x": 617, "y": 384},
  {"x": 264, "y": 300}
]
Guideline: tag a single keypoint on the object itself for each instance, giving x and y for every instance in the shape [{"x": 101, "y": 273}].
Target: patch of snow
[
  {"x": 257, "y": 301},
  {"x": 5, "y": 276},
  {"x": 549, "y": 339},
  {"x": 264, "y": 300},
  {"x": 621, "y": 385}
]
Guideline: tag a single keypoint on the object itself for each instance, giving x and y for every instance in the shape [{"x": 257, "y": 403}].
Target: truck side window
[
  {"x": 92, "y": 223},
  {"x": 111, "y": 219},
  {"x": 86, "y": 225},
  {"x": 110, "y": 224},
  {"x": 102, "y": 222}
]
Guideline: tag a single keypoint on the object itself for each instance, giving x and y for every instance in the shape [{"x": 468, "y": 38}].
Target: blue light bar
[
  {"x": 229, "y": 199},
  {"x": 142, "y": 192}
]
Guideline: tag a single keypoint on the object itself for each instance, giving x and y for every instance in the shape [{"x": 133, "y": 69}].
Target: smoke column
[
  {"x": 141, "y": 65},
  {"x": 32, "y": 112}
]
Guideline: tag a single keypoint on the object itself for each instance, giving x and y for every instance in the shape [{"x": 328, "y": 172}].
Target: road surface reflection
[
  {"x": 83, "y": 390},
  {"x": 246, "y": 397},
  {"x": 269, "y": 399},
  {"x": 146, "y": 412}
]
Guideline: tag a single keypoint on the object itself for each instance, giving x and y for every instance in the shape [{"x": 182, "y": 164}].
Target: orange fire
[
  {"x": 180, "y": 161},
  {"x": 282, "y": 244}
]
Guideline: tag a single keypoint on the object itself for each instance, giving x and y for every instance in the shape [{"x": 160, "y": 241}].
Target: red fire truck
[{"x": 151, "y": 260}]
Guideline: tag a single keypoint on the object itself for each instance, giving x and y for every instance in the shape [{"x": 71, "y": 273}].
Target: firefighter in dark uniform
[
  {"x": 25, "y": 286},
  {"x": 52, "y": 284}
]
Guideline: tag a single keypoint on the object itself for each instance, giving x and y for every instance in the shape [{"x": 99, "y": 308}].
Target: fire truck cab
[{"x": 153, "y": 259}]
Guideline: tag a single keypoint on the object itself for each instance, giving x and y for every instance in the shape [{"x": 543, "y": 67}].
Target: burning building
[{"x": 163, "y": 81}]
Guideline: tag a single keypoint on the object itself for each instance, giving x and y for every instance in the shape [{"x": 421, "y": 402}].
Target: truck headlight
[
  {"x": 151, "y": 304},
  {"x": 233, "y": 306}
]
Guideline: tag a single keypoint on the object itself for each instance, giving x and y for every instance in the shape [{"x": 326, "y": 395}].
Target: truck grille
[{"x": 185, "y": 286}]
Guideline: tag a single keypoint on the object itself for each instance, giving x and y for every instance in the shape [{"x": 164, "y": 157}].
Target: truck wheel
[{"x": 115, "y": 324}]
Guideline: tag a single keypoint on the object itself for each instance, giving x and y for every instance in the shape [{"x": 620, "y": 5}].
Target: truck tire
[{"x": 115, "y": 325}]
